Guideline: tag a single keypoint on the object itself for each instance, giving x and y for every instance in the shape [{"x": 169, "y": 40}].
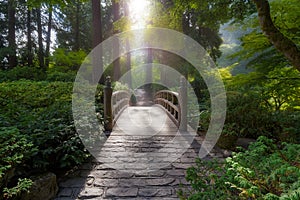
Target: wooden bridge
[
  {"x": 146, "y": 154},
  {"x": 173, "y": 103}
]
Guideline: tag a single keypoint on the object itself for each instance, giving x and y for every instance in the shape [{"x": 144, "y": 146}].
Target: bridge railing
[
  {"x": 120, "y": 100},
  {"x": 169, "y": 100},
  {"x": 175, "y": 104},
  {"x": 114, "y": 104}
]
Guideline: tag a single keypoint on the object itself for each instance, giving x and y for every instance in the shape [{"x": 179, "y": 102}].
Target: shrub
[
  {"x": 42, "y": 111},
  {"x": 61, "y": 76},
  {"x": 265, "y": 171},
  {"x": 288, "y": 126},
  {"x": 247, "y": 116},
  {"x": 70, "y": 59},
  {"x": 23, "y": 185},
  {"x": 21, "y": 72},
  {"x": 119, "y": 86},
  {"x": 15, "y": 150},
  {"x": 207, "y": 180}
]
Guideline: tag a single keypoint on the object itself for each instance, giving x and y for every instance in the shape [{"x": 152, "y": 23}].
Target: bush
[
  {"x": 207, "y": 180},
  {"x": 288, "y": 126},
  {"x": 33, "y": 95},
  {"x": 42, "y": 111},
  {"x": 15, "y": 150},
  {"x": 70, "y": 59},
  {"x": 18, "y": 73},
  {"x": 61, "y": 76},
  {"x": 265, "y": 171},
  {"x": 247, "y": 116},
  {"x": 119, "y": 86},
  {"x": 252, "y": 119}
]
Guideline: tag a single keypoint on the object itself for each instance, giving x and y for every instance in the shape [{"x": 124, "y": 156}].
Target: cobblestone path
[{"x": 136, "y": 162}]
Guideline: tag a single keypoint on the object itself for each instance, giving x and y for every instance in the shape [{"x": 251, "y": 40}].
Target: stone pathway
[{"x": 136, "y": 162}]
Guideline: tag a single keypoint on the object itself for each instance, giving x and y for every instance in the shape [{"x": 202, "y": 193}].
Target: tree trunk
[
  {"x": 128, "y": 56},
  {"x": 29, "y": 40},
  {"x": 12, "y": 34},
  {"x": 97, "y": 39},
  {"x": 97, "y": 22},
  {"x": 149, "y": 74},
  {"x": 163, "y": 76},
  {"x": 116, "y": 63},
  {"x": 149, "y": 66},
  {"x": 280, "y": 42},
  {"x": 128, "y": 65},
  {"x": 48, "y": 39},
  {"x": 77, "y": 28},
  {"x": 40, "y": 40}
]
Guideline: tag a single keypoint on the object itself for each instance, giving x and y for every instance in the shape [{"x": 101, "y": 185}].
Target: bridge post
[
  {"x": 108, "y": 118},
  {"x": 183, "y": 104}
]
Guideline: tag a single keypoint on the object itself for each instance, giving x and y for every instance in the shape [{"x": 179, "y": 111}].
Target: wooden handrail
[
  {"x": 175, "y": 104},
  {"x": 169, "y": 100},
  {"x": 114, "y": 104},
  {"x": 120, "y": 100}
]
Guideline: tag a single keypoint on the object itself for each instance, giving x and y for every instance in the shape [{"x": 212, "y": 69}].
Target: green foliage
[
  {"x": 15, "y": 150},
  {"x": 257, "y": 48},
  {"x": 119, "y": 86},
  {"x": 133, "y": 100},
  {"x": 43, "y": 112},
  {"x": 249, "y": 115},
  {"x": 74, "y": 26},
  {"x": 69, "y": 59},
  {"x": 267, "y": 99},
  {"x": 200, "y": 20},
  {"x": 264, "y": 171},
  {"x": 61, "y": 76},
  {"x": 263, "y": 103},
  {"x": 208, "y": 182},
  {"x": 17, "y": 73},
  {"x": 15, "y": 192},
  {"x": 244, "y": 116},
  {"x": 288, "y": 127},
  {"x": 33, "y": 95},
  {"x": 287, "y": 23}
]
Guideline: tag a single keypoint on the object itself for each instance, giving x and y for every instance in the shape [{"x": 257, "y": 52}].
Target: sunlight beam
[{"x": 139, "y": 13}]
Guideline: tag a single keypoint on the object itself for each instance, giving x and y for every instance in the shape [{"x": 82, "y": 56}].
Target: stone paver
[{"x": 138, "y": 166}]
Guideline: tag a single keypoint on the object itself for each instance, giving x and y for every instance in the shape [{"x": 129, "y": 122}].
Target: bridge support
[
  {"x": 108, "y": 117},
  {"x": 183, "y": 104}
]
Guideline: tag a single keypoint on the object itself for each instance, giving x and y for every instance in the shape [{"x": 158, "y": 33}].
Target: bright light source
[{"x": 139, "y": 13}]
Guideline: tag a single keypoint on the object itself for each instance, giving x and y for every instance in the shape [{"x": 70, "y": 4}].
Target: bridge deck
[{"x": 145, "y": 157}]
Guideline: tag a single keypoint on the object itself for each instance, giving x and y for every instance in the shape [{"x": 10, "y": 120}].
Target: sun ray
[{"x": 139, "y": 13}]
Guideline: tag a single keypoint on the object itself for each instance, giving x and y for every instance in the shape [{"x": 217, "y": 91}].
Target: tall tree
[
  {"x": 77, "y": 28},
  {"x": 12, "y": 33},
  {"x": 97, "y": 22},
  {"x": 278, "y": 39},
  {"x": 40, "y": 39},
  {"x": 128, "y": 65},
  {"x": 73, "y": 26},
  {"x": 116, "y": 63},
  {"x": 128, "y": 56},
  {"x": 3, "y": 34},
  {"x": 149, "y": 65},
  {"x": 29, "y": 39},
  {"x": 48, "y": 37},
  {"x": 97, "y": 39}
]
